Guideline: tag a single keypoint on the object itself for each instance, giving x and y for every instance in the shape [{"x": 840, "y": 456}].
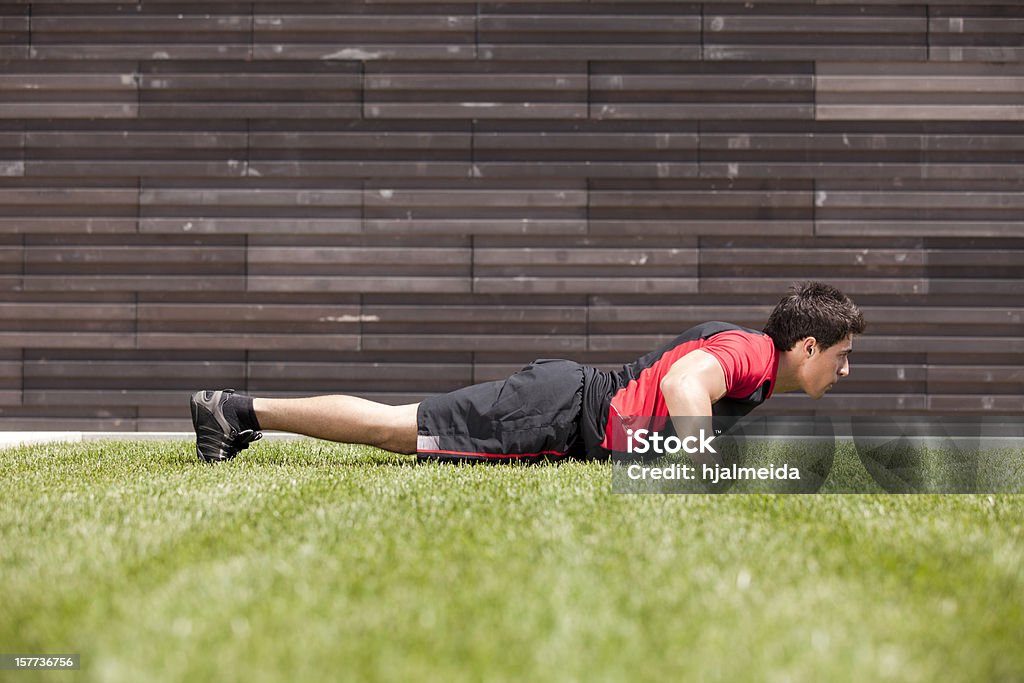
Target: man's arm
[{"x": 691, "y": 386}]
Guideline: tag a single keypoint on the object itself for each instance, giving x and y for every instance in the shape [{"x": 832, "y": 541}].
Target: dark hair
[{"x": 813, "y": 309}]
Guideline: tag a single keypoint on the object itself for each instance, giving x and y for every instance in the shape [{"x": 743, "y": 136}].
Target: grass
[{"x": 310, "y": 561}]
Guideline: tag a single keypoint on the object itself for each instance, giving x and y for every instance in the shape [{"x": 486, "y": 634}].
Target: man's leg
[
  {"x": 226, "y": 422},
  {"x": 342, "y": 418}
]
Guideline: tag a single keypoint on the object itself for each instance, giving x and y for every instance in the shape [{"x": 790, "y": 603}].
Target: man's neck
[{"x": 786, "y": 377}]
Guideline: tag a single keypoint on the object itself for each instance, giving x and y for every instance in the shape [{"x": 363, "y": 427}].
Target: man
[{"x": 558, "y": 408}]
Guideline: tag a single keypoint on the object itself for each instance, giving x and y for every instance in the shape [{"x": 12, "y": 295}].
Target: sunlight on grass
[{"x": 308, "y": 561}]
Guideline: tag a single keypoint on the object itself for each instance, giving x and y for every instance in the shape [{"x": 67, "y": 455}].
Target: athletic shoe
[{"x": 217, "y": 439}]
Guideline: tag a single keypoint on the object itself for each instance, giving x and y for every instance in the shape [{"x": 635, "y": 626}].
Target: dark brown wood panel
[
  {"x": 920, "y": 91},
  {"x": 585, "y": 149},
  {"x": 250, "y": 206},
  {"x": 14, "y": 31},
  {"x": 471, "y": 90},
  {"x": 361, "y": 31},
  {"x": 476, "y": 208},
  {"x": 589, "y": 31},
  {"x": 248, "y": 90},
  {"x": 32, "y": 89},
  {"x": 789, "y": 31},
  {"x": 701, "y": 90},
  {"x": 150, "y": 30},
  {"x": 977, "y": 33},
  {"x": 393, "y": 199}
]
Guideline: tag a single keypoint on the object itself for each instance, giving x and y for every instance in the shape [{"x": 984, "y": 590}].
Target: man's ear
[{"x": 808, "y": 346}]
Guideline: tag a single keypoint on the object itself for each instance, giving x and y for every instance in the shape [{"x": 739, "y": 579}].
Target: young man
[{"x": 557, "y": 408}]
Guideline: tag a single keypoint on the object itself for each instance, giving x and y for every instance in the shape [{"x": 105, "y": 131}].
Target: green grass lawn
[{"x": 309, "y": 561}]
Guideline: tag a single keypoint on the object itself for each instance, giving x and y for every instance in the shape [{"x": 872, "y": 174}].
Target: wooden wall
[{"x": 394, "y": 199}]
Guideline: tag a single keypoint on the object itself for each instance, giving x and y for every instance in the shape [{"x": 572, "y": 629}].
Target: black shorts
[{"x": 534, "y": 414}]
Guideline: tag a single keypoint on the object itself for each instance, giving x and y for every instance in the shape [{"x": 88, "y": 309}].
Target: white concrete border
[{"x": 14, "y": 439}]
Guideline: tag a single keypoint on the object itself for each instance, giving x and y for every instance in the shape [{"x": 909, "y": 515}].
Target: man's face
[{"x": 824, "y": 367}]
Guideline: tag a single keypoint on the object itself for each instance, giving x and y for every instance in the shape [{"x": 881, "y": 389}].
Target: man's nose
[{"x": 845, "y": 370}]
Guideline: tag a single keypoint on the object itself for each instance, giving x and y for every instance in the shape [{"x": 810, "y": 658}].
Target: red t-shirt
[{"x": 748, "y": 359}]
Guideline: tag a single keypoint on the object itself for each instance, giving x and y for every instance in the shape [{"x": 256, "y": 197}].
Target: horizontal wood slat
[
  {"x": 354, "y": 31},
  {"x": 920, "y": 91},
  {"x": 771, "y": 31},
  {"x": 596, "y": 30},
  {"x": 977, "y": 33},
  {"x": 398, "y": 198}
]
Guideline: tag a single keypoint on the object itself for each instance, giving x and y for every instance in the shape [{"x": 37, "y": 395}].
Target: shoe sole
[{"x": 194, "y": 407}]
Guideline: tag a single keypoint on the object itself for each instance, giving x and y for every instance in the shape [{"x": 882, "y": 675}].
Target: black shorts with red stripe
[{"x": 551, "y": 409}]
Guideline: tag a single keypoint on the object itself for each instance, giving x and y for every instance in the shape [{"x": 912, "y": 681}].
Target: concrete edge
[{"x": 16, "y": 439}]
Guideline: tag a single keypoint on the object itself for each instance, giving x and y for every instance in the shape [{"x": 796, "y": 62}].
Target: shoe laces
[{"x": 241, "y": 440}]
